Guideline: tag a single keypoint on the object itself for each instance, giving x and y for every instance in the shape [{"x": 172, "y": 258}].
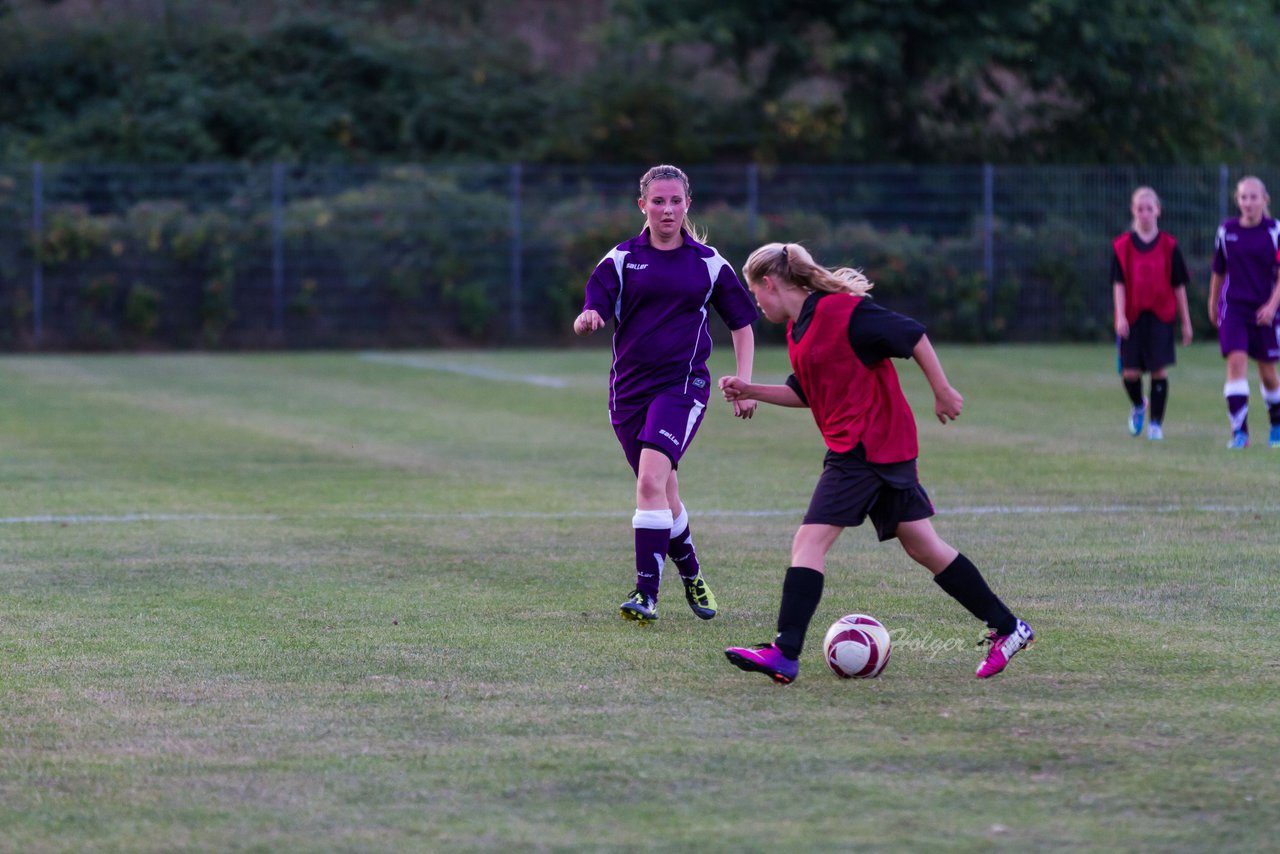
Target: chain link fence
[{"x": 237, "y": 256}]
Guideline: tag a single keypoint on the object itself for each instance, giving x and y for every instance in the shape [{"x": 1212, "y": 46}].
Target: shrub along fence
[{"x": 236, "y": 256}]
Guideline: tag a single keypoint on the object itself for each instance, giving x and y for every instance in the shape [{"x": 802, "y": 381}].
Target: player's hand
[
  {"x": 947, "y": 404},
  {"x": 1122, "y": 327},
  {"x": 1213, "y": 314},
  {"x": 733, "y": 389},
  {"x": 1186, "y": 333},
  {"x": 587, "y": 322},
  {"x": 744, "y": 408},
  {"x": 1266, "y": 315}
]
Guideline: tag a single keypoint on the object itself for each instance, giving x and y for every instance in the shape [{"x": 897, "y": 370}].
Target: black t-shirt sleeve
[
  {"x": 794, "y": 385},
  {"x": 1179, "y": 277},
  {"x": 876, "y": 333},
  {"x": 1117, "y": 272}
]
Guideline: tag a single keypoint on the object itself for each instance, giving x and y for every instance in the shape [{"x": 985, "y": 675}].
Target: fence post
[
  {"x": 517, "y": 256},
  {"x": 37, "y": 239},
  {"x": 753, "y": 197},
  {"x": 989, "y": 235},
  {"x": 277, "y": 249},
  {"x": 1224, "y": 196}
]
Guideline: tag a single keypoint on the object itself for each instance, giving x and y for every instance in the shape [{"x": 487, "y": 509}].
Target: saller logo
[
  {"x": 636, "y": 266},
  {"x": 669, "y": 436}
]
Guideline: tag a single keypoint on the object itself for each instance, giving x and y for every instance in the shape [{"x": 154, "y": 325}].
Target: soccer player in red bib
[
  {"x": 658, "y": 289},
  {"x": 841, "y": 346},
  {"x": 1244, "y": 293},
  {"x": 1150, "y": 281}
]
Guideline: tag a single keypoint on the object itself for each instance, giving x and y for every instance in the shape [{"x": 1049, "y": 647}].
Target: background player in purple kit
[
  {"x": 841, "y": 346},
  {"x": 1149, "y": 285},
  {"x": 1243, "y": 296},
  {"x": 656, "y": 288}
]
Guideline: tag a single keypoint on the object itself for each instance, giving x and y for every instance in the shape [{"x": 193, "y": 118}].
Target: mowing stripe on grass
[
  {"x": 429, "y": 364},
  {"x": 1030, "y": 510}
]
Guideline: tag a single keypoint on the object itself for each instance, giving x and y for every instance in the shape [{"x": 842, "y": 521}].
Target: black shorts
[
  {"x": 1149, "y": 346},
  {"x": 851, "y": 489}
]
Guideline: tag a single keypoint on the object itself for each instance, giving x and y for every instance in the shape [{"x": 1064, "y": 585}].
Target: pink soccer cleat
[
  {"x": 764, "y": 658},
  {"x": 1003, "y": 648}
]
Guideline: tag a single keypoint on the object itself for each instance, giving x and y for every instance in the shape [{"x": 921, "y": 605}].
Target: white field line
[
  {"x": 427, "y": 363},
  {"x": 1016, "y": 510}
]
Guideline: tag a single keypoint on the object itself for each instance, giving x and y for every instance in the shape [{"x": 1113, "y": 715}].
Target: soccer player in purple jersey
[
  {"x": 842, "y": 347},
  {"x": 1149, "y": 286},
  {"x": 1244, "y": 292},
  {"x": 657, "y": 288}
]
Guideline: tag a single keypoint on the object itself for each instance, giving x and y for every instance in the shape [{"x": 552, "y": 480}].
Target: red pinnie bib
[{"x": 850, "y": 402}]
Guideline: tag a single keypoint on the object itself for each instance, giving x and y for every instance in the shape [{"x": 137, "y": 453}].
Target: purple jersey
[
  {"x": 1247, "y": 258},
  {"x": 658, "y": 301}
]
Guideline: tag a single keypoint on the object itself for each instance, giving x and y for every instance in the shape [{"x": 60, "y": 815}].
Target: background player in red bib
[
  {"x": 1244, "y": 293},
  {"x": 658, "y": 288},
  {"x": 1150, "y": 287},
  {"x": 841, "y": 345}
]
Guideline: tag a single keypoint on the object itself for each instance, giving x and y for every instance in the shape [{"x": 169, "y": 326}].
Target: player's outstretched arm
[
  {"x": 744, "y": 353},
  {"x": 947, "y": 402},
  {"x": 737, "y": 389}
]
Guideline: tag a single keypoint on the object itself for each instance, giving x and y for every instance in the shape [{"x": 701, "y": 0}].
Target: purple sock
[
  {"x": 680, "y": 549},
  {"x": 1237, "y": 395},
  {"x": 1272, "y": 399},
  {"x": 653, "y": 533}
]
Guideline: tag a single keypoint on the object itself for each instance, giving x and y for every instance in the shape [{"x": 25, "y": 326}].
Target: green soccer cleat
[
  {"x": 639, "y": 608},
  {"x": 699, "y": 596}
]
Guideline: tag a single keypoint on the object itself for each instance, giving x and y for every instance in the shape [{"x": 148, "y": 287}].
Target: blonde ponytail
[{"x": 792, "y": 263}]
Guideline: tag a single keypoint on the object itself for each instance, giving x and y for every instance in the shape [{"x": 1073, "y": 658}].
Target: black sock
[
  {"x": 1159, "y": 397},
  {"x": 962, "y": 582},
  {"x": 801, "y": 593},
  {"x": 1134, "y": 388}
]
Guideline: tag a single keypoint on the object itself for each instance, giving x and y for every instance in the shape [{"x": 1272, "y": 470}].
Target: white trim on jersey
[
  {"x": 715, "y": 264},
  {"x": 619, "y": 259},
  {"x": 1220, "y": 242}
]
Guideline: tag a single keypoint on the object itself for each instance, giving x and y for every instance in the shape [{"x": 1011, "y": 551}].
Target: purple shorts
[
  {"x": 668, "y": 424},
  {"x": 1239, "y": 331}
]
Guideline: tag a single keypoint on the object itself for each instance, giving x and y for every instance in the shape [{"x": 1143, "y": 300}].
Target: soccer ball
[{"x": 856, "y": 647}]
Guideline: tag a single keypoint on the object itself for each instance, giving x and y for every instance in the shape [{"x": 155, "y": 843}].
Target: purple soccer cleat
[{"x": 764, "y": 658}]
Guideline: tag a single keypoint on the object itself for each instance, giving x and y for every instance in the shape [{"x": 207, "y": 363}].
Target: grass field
[{"x": 327, "y": 602}]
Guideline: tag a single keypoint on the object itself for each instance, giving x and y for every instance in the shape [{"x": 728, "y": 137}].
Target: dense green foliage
[
  {"x": 1111, "y": 81},
  {"x": 412, "y": 256}
]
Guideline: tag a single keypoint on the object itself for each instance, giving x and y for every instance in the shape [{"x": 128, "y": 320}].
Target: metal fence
[{"x": 108, "y": 256}]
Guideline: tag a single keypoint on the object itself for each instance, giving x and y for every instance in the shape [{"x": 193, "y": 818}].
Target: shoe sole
[
  {"x": 750, "y": 666},
  {"x": 702, "y": 613},
  {"x": 635, "y": 616}
]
